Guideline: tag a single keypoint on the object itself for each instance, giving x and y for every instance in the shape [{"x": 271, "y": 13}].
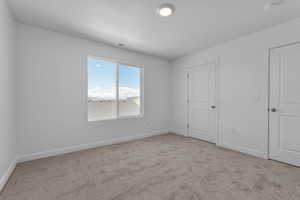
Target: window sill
[{"x": 117, "y": 118}]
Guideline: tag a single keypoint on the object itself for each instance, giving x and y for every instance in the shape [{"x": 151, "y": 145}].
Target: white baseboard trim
[
  {"x": 248, "y": 151},
  {"x": 227, "y": 145},
  {"x": 8, "y": 173},
  {"x": 178, "y": 132},
  {"x": 71, "y": 149}
]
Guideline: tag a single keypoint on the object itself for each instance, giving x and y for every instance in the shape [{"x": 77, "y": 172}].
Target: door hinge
[
  {"x": 188, "y": 101},
  {"x": 188, "y": 125},
  {"x": 188, "y": 75}
]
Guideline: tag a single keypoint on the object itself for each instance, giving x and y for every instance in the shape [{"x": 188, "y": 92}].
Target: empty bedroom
[{"x": 149, "y": 100}]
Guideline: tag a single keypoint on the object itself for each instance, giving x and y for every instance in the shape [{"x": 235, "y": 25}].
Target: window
[{"x": 114, "y": 90}]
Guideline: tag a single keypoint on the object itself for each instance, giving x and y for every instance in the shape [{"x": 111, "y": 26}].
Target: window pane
[
  {"x": 129, "y": 90},
  {"x": 101, "y": 90}
]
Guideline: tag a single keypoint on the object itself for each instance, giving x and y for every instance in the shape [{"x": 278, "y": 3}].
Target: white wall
[
  {"x": 243, "y": 106},
  {"x": 7, "y": 132},
  {"x": 52, "y": 92}
]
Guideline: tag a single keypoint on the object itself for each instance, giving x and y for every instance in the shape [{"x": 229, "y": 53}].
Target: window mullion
[{"x": 117, "y": 90}]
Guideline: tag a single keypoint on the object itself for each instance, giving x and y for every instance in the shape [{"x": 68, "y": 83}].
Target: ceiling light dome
[
  {"x": 165, "y": 10},
  {"x": 274, "y": 4}
]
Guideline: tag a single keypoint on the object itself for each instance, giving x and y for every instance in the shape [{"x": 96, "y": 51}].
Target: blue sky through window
[
  {"x": 102, "y": 80},
  {"x": 129, "y": 77}
]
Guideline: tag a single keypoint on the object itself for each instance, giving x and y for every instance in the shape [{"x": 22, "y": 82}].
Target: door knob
[
  {"x": 213, "y": 107},
  {"x": 273, "y": 110}
]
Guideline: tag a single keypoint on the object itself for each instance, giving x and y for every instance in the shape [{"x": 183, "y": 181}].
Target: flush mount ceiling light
[
  {"x": 165, "y": 10},
  {"x": 273, "y": 4}
]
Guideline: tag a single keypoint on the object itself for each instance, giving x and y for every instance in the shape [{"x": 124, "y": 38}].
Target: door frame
[
  {"x": 215, "y": 61},
  {"x": 269, "y": 89}
]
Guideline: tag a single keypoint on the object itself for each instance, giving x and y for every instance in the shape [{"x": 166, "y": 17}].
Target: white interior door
[
  {"x": 285, "y": 104},
  {"x": 202, "y": 109}
]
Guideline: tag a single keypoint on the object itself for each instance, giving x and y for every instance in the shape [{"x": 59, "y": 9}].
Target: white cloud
[
  {"x": 106, "y": 94},
  {"x": 125, "y": 92}
]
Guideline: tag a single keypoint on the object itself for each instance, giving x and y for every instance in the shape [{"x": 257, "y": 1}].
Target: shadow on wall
[{"x": 106, "y": 109}]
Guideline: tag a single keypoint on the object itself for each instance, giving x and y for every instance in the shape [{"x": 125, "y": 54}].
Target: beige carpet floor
[{"x": 166, "y": 167}]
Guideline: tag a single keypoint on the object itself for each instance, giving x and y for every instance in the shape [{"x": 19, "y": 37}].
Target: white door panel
[
  {"x": 285, "y": 98},
  {"x": 201, "y": 96},
  {"x": 200, "y": 120},
  {"x": 289, "y": 133}
]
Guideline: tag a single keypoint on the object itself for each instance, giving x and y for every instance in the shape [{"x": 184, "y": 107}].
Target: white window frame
[{"x": 118, "y": 63}]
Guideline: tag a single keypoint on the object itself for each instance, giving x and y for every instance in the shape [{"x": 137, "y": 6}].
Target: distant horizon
[
  {"x": 108, "y": 98},
  {"x": 96, "y": 99}
]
